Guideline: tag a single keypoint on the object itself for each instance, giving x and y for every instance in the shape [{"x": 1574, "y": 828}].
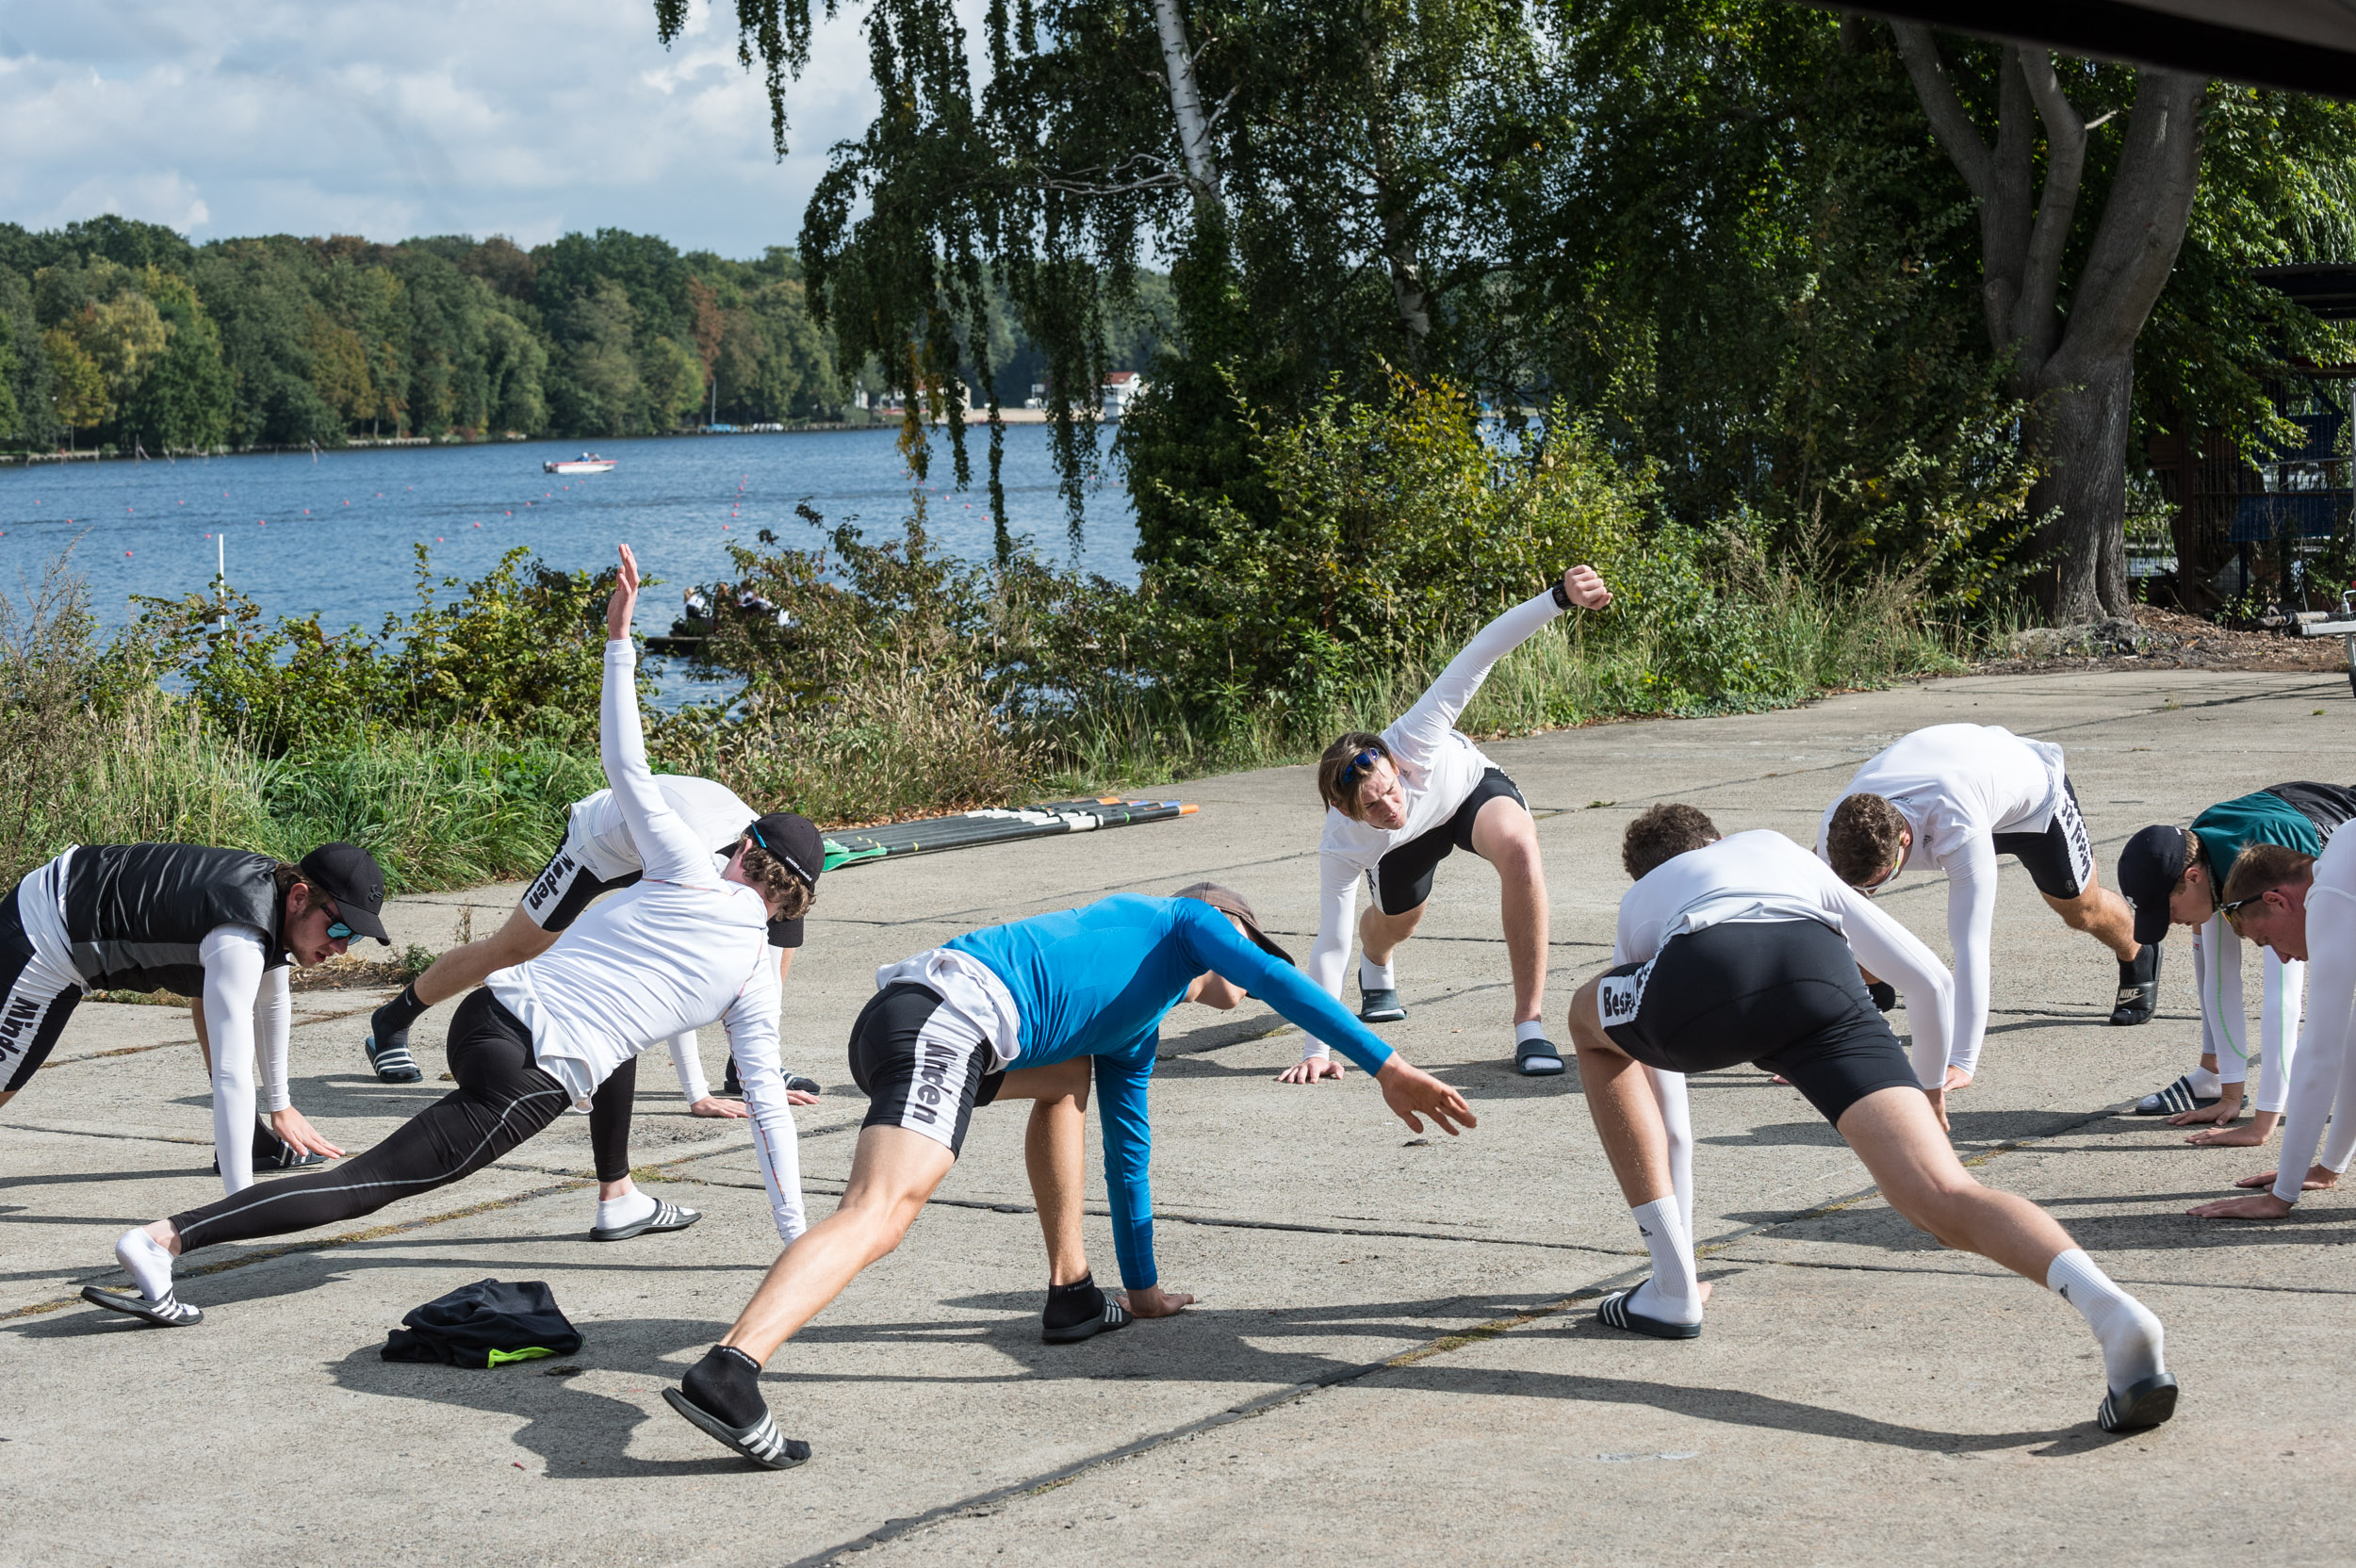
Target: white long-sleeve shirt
[
  {"x": 1958, "y": 786},
  {"x": 1761, "y": 876},
  {"x": 2323, "y": 1079},
  {"x": 658, "y": 958},
  {"x": 246, "y": 1007},
  {"x": 1438, "y": 766},
  {"x": 598, "y": 832}
]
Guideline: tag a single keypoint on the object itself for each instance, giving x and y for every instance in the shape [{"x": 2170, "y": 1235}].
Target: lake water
[{"x": 334, "y": 534}]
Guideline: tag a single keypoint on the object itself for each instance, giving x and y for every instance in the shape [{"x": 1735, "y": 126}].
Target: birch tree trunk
[{"x": 1186, "y": 103}]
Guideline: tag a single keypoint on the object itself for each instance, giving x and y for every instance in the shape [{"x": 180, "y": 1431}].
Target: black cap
[
  {"x": 796, "y": 844},
  {"x": 2149, "y": 868},
  {"x": 351, "y": 877},
  {"x": 1229, "y": 902}
]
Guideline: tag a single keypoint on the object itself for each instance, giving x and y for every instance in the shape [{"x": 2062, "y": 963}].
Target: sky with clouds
[{"x": 393, "y": 118}]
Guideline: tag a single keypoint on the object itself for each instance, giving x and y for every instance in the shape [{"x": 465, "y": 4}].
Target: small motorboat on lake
[{"x": 587, "y": 463}]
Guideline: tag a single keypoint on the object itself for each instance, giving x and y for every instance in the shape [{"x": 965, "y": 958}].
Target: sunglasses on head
[{"x": 1360, "y": 766}]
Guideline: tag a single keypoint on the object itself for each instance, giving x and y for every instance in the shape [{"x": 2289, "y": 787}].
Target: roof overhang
[{"x": 2305, "y": 45}]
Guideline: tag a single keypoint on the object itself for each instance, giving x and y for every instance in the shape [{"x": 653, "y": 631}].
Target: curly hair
[
  {"x": 1336, "y": 758},
  {"x": 1661, "y": 833},
  {"x": 1862, "y": 841},
  {"x": 767, "y": 874}
]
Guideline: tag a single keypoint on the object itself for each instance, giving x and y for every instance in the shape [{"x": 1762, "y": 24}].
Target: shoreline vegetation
[
  {"x": 898, "y": 681},
  {"x": 122, "y": 336},
  {"x": 868, "y": 420}
]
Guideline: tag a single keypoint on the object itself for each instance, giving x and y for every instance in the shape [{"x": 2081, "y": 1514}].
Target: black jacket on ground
[{"x": 485, "y": 1324}]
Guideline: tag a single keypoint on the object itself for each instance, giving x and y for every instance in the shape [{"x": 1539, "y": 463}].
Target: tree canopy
[{"x": 1728, "y": 232}]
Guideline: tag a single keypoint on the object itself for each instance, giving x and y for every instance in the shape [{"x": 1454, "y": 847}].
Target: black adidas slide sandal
[
  {"x": 1612, "y": 1313},
  {"x": 1536, "y": 1057},
  {"x": 2140, "y": 1406},
  {"x": 667, "y": 1216},
  {"x": 797, "y": 1084},
  {"x": 392, "y": 1061},
  {"x": 170, "y": 1313},
  {"x": 2178, "y": 1097},
  {"x": 762, "y": 1441},
  {"x": 1115, "y": 1315},
  {"x": 1380, "y": 1006}
]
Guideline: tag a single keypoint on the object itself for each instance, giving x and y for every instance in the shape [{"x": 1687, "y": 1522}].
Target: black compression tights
[{"x": 501, "y": 1100}]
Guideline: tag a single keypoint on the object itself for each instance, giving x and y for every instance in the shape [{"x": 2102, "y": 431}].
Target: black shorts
[
  {"x": 2059, "y": 860},
  {"x": 1401, "y": 880},
  {"x": 1784, "y": 995},
  {"x": 565, "y": 886},
  {"x": 35, "y": 1001},
  {"x": 920, "y": 1066}
]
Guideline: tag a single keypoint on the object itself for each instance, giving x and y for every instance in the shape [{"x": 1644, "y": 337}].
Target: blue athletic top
[{"x": 1098, "y": 981}]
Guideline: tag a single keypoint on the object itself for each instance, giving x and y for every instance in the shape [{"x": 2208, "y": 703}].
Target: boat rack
[{"x": 933, "y": 835}]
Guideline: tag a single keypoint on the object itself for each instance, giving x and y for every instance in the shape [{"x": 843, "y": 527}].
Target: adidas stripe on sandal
[
  {"x": 170, "y": 1313},
  {"x": 762, "y": 1441}
]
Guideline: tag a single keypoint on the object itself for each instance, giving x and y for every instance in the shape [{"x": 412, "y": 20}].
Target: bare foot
[
  {"x": 2221, "y": 1113},
  {"x": 2319, "y": 1178},
  {"x": 2258, "y": 1206},
  {"x": 1956, "y": 1079}
]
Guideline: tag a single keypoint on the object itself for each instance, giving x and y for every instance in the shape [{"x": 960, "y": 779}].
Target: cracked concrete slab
[{"x": 1392, "y": 1354}]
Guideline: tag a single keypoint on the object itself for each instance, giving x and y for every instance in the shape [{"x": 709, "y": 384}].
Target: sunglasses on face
[
  {"x": 336, "y": 930},
  {"x": 2233, "y": 911},
  {"x": 1359, "y": 767}
]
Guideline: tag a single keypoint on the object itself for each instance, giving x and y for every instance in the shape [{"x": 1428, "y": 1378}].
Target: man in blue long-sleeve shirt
[{"x": 1023, "y": 1011}]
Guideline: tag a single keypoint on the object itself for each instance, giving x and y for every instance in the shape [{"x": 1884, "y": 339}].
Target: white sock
[
  {"x": 2125, "y": 1327},
  {"x": 149, "y": 1263},
  {"x": 1534, "y": 1030},
  {"x": 2205, "y": 1083},
  {"x": 1375, "y": 977},
  {"x": 1673, "y": 1294},
  {"x": 629, "y": 1209}
]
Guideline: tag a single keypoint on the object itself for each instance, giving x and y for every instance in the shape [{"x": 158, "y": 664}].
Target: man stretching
[
  {"x": 1398, "y": 802},
  {"x": 597, "y": 857},
  {"x": 1959, "y": 795},
  {"x": 2303, "y": 907},
  {"x": 2173, "y": 875},
  {"x": 689, "y": 942},
  {"x": 1023, "y": 1011},
  {"x": 217, "y": 925},
  {"x": 1733, "y": 950}
]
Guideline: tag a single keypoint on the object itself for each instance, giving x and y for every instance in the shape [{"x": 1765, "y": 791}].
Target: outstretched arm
[
  {"x": 751, "y": 1022},
  {"x": 1898, "y": 956},
  {"x": 1971, "y": 922},
  {"x": 667, "y": 847},
  {"x": 1412, "y": 1093},
  {"x": 1435, "y": 712},
  {"x": 1329, "y": 957}
]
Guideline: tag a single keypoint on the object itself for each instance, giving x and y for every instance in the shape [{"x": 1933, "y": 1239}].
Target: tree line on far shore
[{"x": 120, "y": 332}]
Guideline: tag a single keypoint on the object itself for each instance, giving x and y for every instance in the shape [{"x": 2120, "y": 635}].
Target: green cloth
[{"x": 2231, "y": 827}]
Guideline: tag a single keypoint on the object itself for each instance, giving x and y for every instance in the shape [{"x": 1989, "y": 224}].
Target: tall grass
[{"x": 1772, "y": 637}]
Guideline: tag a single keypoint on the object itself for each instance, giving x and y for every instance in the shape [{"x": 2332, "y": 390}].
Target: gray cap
[{"x": 1229, "y": 902}]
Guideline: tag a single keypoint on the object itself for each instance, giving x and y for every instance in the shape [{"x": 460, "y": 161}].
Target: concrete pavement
[{"x": 1384, "y": 1364}]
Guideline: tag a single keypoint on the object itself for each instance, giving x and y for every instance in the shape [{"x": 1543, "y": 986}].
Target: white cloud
[{"x": 391, "y": 118}]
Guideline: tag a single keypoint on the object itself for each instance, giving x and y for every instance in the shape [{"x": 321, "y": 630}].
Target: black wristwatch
[{"x": 1562, "y": 600}]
